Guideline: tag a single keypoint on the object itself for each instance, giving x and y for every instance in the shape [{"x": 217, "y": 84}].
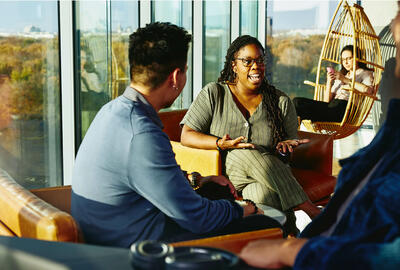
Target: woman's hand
[
  {"x": 248, "y": 209},
  {"x": 339, "y": 76},
  {"x": 289, "y": 145},
  {"x": 222, "y": 181},
  {"x": 227, "y": 143},
  {"x": 331, "y": 77},
  {"x": 336, "y": 75}
]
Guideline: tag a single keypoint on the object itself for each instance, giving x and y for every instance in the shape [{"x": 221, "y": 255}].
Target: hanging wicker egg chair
[{"x": 349, "y": 27}]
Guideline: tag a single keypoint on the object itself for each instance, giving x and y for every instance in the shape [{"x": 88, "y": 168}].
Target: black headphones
[{"x": 159, "y": 256}]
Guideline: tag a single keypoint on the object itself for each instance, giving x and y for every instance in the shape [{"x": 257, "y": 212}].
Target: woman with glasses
[
  {"x": 335, "y": 106},
  {"x": 250, "y": 122}
]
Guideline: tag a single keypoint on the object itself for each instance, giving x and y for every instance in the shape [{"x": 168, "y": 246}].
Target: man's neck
[{"x": 153, "y": 96}]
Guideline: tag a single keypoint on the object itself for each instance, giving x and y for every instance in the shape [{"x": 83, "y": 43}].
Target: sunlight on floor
[{"x": 302, "y": 219}]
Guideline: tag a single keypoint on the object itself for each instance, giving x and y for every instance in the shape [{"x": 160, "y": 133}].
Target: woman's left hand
[
  {"x": 339, "y": 76},
  {"x": 289, "y": 145},
  {"x": 222, "y": 181}
]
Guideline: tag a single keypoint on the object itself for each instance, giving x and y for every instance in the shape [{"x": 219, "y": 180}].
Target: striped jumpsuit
[{"x": 257, "y": 173}]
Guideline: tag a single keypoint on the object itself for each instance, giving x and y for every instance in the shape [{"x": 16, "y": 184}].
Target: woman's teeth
[{"x": 254, "y": 77}]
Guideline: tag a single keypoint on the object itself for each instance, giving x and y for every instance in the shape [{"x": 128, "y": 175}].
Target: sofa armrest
[
  {"x": 206, "y": 162},
  {"x": 317, "y": 155},
  {"x": 28, "y": 216},
  {"x": 59, "y": 197},
  {"x": 233, "y": 242}
]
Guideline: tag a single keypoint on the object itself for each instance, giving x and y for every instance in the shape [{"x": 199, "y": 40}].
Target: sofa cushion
[{"x": 318, "y": 186}]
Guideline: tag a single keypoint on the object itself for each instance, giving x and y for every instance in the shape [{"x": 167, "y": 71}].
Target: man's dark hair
[{"x": 155, "y": 51}]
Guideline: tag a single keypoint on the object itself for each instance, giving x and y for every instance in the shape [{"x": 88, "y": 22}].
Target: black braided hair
[{"x": 270, "y": 97}]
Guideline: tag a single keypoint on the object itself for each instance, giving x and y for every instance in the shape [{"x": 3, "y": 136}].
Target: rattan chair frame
[{"x": 349, "y": 27}]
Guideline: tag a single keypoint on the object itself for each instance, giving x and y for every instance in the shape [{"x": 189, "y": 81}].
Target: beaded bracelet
[
  {"x": 216, "y": 142},
  {"x": 252, "y": 203}
]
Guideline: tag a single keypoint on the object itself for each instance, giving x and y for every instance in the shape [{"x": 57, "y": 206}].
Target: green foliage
[
  {"x": 294, "y": 59},
  {"x": 24, "y": 61}
]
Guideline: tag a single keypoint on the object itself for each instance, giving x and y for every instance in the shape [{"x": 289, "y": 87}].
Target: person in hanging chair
[{"x": 334, "y": 109}]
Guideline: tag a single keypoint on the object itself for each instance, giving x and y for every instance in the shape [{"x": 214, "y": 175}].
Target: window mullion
[
  {"x": 262, "y": 13},
  {"x": 235, "y": 20},
  {"x": 67, "y": 88},
  {"x": 197, "y": 47}
]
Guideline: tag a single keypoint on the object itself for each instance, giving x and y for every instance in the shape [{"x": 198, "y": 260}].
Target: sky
[
  {"x": 286, "y": 14},
  {"x": 16, "y": 15}
]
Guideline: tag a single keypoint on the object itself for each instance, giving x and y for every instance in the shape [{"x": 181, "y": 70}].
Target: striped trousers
[{"x": 263, "y": 178}]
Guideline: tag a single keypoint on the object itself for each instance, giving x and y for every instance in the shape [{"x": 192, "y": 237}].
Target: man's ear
[{"x": 173, "y": 77}]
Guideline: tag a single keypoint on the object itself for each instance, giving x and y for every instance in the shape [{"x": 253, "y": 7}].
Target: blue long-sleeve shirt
[
  {"x": 368, "y": 234},
  {"x": 126, "y": 180}
]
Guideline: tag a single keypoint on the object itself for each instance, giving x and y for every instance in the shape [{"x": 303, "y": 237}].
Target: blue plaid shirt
[{"x": 367, "y": 236}]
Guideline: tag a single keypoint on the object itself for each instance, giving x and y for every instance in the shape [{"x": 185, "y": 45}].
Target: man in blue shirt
[
  {"x": 359, "y": 228},
  {"x": 126, "y": 183}
]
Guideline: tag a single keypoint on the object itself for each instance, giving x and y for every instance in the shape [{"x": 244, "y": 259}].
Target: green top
[{"x": 215, "y": 112}]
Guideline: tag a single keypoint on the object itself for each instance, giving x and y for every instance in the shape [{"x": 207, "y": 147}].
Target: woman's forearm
[
  {"x": 363, "y": 88},
  {"x": 195, "y": 139}
]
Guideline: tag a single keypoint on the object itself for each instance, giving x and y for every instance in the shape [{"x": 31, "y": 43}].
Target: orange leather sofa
[
  {"x": 44, "y": 214},
  {"x": 39, "y": 218},
  {"x": 23, "y": 214},
  {"x": 311, "y": 163}
]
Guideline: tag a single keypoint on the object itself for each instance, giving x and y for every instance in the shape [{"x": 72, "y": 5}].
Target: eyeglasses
[
  {"x": 350, "y": 58},
  {"x": 248, "y": 62}
]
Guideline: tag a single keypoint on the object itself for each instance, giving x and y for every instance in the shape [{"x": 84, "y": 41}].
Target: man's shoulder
[{"x": 124, "y": 114}]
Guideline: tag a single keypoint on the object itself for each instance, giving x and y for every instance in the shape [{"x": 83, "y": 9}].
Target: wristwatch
[{"x": 195, "y": 179}]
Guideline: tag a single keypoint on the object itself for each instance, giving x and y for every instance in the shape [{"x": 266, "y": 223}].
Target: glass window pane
[
  {"x": 178, "y": 12},
  {"x": 30, "y": 132},
  {"x": 216, "y": 40},
  {"x": 94, "y": 72},
  {"x": 295, "y": 34},
  {"x": 249, "y": 18},
  {"x": 124, "y": 21},
  {"x": 102, "y": 31}
]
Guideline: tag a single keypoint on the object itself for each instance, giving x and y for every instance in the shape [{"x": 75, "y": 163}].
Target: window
[
  {"x": 216, "y": 38},
  {"x": 124, "y": 21},
  {"x": 102, "y": 34},
  {"x": 93, "y": 45},
  {"x": 296, "y": 32},
  {"x": 178, "y": 12},
  {"x": 30, "y": 132},
  {"x": 249, "y": 18}
]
